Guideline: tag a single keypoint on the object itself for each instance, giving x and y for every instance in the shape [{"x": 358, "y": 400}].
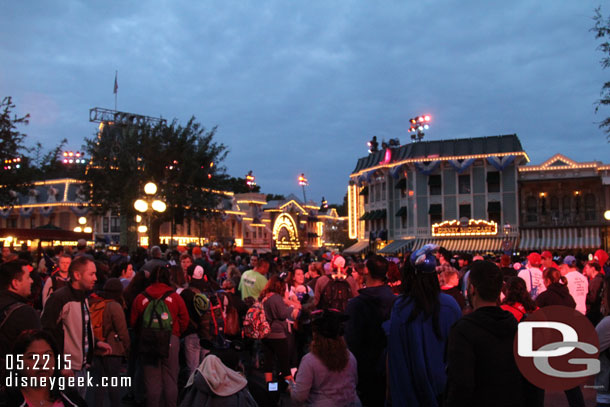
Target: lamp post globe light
[
  {"x": 607, "y": 215},
  {"x": 148, "y": 205}
]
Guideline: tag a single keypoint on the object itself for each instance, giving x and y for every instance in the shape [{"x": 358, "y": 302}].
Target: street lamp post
[{"x": 149, "y": 205}]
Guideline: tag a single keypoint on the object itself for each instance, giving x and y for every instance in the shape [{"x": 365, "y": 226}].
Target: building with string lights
[
  {"x": 460, "y": 194},
  {"x": 562, "y": 205}
]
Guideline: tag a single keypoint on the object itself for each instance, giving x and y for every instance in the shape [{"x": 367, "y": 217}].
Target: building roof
[{"x": 444, "y": 148}]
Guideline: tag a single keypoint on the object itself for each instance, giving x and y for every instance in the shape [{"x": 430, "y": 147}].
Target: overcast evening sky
[{"x": 301, "y": 86}]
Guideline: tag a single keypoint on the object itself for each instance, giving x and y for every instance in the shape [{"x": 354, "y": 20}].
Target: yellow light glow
[
  {"x": 88, "y": 229},
  {"x": 159, "y": 206},
  {"x": 285, "y": 221},
  {"x": 607, "y": 215},
  {"x": 138, "y": 218},
  {"x": 542, "y": 194},
  {"x": 251, "y": 202},
  {"x": 150, "y": 188},
  {"x": 239, "y": 242},
  {"x": 140, "y": 205},
  {"x": 78, "y": 229},
  {"x": 352, "y": 204},
  {"x": 142, "y": 229},
  {"x": 82, "y": 220},
  {"x": 454, "y": 228}
]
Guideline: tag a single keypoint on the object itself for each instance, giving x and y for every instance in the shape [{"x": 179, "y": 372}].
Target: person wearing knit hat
[
  {"x": 328, "y": 374},
  {"x": 337, "y": 273},
  {"x": 417, "y": 334}
]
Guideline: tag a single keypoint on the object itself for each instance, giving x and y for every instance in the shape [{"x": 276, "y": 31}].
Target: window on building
[
  {"x": 577, "y": 204},
  {"x": 188, "y": 227},
  {"x": 531, "y": 209},
  {"x": 115, "y": 224},
  {"x": 493, "y": 181},
  {"x": 106, "y": 225},
  {"x": 464, "y": 184},
  {"x": 590, "y": 212},
  {"x": 383, "y": 194},
  {"x": 435, "y": 183},
  {"x": 494, "y": 212},
  {"x": 11, "y": 222},
  {"x": 377, "y": 192},
  {"x": 51, "y": 219},
  {"x": 32, "y": 222},
  {"x": 436, "y": 213},
  {"x": 566, "y": 206},
  {"x": 465, "y": 211}
]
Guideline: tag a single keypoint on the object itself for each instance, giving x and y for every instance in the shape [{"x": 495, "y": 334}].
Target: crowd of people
[{"x": 205, "y": 326}]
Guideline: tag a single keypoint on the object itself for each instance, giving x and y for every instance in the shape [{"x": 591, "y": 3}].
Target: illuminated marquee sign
[
  {"x": 285, "y": 233},
  {"x": 473, "y": 228}
]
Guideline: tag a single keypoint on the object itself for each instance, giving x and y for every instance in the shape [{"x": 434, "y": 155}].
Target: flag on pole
[{"x": 116, "y": 83}]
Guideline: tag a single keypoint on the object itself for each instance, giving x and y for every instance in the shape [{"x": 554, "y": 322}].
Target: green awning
[
  {"x": 402, "y": 211},
  {"x": 366, "y": 216},
  {"x": 365, "y": 190}
]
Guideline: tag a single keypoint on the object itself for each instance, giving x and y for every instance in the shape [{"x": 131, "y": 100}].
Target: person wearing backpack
[
  {"x": 160, "y": 315},
  {"x": 334, "y": 290},
  {"x": 277, "y": 310},
  {"x": 197, "y": 285},
  {"x": 364, "y": 333},
  {"x": 110, "y": 325}
]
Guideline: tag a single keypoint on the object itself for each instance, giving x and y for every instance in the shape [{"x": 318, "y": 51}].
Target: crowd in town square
[{"x": 205, "y": 326}]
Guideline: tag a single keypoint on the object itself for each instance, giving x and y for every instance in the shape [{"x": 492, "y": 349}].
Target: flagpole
[{"x": 116, "y": 88}]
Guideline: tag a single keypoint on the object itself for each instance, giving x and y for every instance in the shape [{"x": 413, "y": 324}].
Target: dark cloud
[{"x": 301, "y": 86}]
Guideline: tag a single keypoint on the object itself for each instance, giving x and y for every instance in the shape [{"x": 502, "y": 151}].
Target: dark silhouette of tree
[
  {"x": 602, "y": 31},
  {"x": 15, "y": 170}
]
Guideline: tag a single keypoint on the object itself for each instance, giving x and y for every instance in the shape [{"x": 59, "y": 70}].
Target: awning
[
  {"x": 357, "y": 248},
  {"x": 435, "y": 209},
  {"x": 560, "y": 239},
  {"x": 397, "y": 246},
  {"x": 366, "y": 216},
  {"x": 470, "y": 244},
  {"x": 402, "y": 211},
  {"x": 494, "y": 207},
  {"x": 365, "y": 190}
]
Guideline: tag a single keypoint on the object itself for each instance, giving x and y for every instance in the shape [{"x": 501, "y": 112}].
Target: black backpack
[
  {"x": 335, "y": 295},
  {"x": 155, "y": 328}
]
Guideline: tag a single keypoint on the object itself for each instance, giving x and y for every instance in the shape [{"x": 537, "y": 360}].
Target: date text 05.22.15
[{"x": 37, "y": 361}]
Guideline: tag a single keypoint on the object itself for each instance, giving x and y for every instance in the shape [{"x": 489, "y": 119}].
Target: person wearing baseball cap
[
  {"x": 547, "y": 260},
  {"x": 532, "y": 275},
  {"x": 417, "y": 334},
  {"x": 601, "y": 257},
  {"x": 578, "y": 284}
]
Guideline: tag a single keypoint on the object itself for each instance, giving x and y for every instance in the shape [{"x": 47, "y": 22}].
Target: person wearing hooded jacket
[
  {"x": 161, "y": 376},
  {"x": 364, "y": 334},
  {"x": 480, "y": 361}
]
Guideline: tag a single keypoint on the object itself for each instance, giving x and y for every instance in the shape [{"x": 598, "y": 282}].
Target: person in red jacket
[{"x": 161, "y": 376}]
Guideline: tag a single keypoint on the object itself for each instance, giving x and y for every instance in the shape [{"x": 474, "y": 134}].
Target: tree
[
  {"x": 602, "y": 31},
  {"x": 184, "y": 162},
  {"x": 274, "y": 197},
  {"x": 15, "y": 172}
]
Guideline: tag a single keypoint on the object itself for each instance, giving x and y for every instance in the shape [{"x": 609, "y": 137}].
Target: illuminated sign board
[
  {"x": 472, "y": 228},
  {"x": 285, "y": 233}
]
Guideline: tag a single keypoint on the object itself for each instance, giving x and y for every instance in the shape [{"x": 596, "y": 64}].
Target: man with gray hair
[{"x": 155, "y": 260}]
